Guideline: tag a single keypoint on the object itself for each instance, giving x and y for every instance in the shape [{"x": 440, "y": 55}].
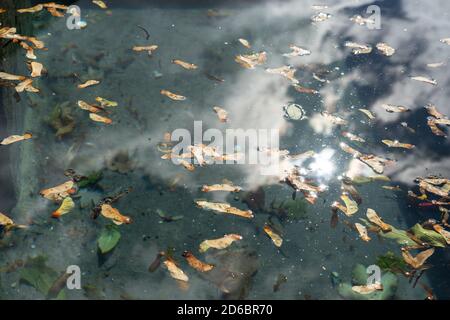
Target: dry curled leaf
[
  {"x": 397, "y": 144},
  {"x": 15, "y": 138},
  {"x": 100, "y": 3},
  {"x": 221, "y": 187},
  {"x": 368, "y": 288},
  {"x": 13, "y": 77},
  {"x": 276, "y": 239},
  {"x": 172, "y": 95},
  {"x": 385, "y": 49},
  {"x": 88, "y": 107},
  {"x": 250, "y": 61},
  {"x": 245, "y": 43},
  {"x": 286, "y": 71},
  {"x": 425, "y": 79},
  {"x": 36, "y": 69},
  {"x": 98, "y": 118},
  {"x": 59, "y": 192},
  {"x": 26, "y": 85},
  {"x": 196, "y": 263},
  {"x": 112, "y": 213},
  {"x": 33, "y": 9},
  {"x": 394, "y": 108},
  {"x": 368, "y": 113},
  {"x": 362, "y": 230},
  {"x": 297, "y": 51},
  {"x": 220, "y": 243},
  {"x": 222, "y": 114},
  {"x": 88, "y": 84},
  {"x": 184, "y": 64},
  {"x": 376, "y": 220},
  {"x": 358, "y": 48},
  {"x": 223, "y": 208},
  {"x": 148, "y": 49},
  {"x": 417, "y": 261},
  {"x": 175, "y": 272}
]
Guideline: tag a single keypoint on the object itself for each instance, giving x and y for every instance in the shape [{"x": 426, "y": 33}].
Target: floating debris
[
  {"x": 88, "y": 83},
  {"x": 97, "y": 118},
  {"x": 397, "y": 144},
  {"x": 391, "y": 108},
  {"x": 196, "y": 263},
  {"x": 172, "y": 95},
  {"x": 59, "y": 192},
  {"x": 385, "y": 49},
  {"x": 425, "y": 79},
  {"x": 296, "y": 52},
  {"x": 223, "y": 208},
  {"x": 100, "y": 3},
  {"x": 245, "y": 43},
  {"x": 250, "y": 61},
  {"x": 376, "y": 220},
  {"x": 353, "y": 137},
  {"x": 113, "y": 214},
  {"x": 336, "y": 120},
  {"x": 368, "y": 288},
  {"x": 184, "y": 64},
  {"x": 417, "y": 261},
  {"x": 174, "y": 271},
  {"x": 301, "y": 89},
  {"x": 285, "y": 71},
  {"x": 435, "y": 64},
  {"x": 362, "y": 230},
  {"x": 66, "y": 206},
  {"x": 368, "y": 113},
  {"x": 15, "y": 138},
  {"x": 445, "y": 41},
  {"x": 148, "y": 49},
  {"x": 220, "y": 243},
  {"x": 358, "y": 48},
  {"x": 361, "y": 20},
  {"x": 222, "y": 114},
  {"x": 221, "y": 187},
  {"x": 276, "y": 239},
  {"x": 321, "y": 16}
]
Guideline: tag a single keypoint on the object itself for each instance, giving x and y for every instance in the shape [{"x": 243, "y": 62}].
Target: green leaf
[
  {"x": 109, "y": 237},
  {"x": 37, "y": 274},
  {"x": 429, "y": 236}
]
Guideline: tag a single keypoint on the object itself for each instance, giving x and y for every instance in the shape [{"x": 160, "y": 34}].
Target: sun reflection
[{"x": 323, "y": 165}]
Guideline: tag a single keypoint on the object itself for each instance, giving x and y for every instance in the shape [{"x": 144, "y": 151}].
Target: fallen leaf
[
  {"x": 376, "y": 220},
  {"x": 97, "y": 118},
  {"x": 100, "y": 3},
  {"x": 196, "y": 263},
  {"x": 425, "y": 79},
  {"x": 26, "y": 85},
  {"x": 446, "y": 234},
  {"x": 221, "y": 187},
  {"x": 250, "y": 61},
  {"x": 368, "y": 288},
  {"x": 245, "y": 43},
  {"x": 8, "y": 76},
  {"x": 396, "y": 144},
  {"x": 112, "y": 213},
  {"x": 15, "y": 138},
  {"x": 185, "y": 65},
  {"x": 33, "y": 9},
  {"x": 222, "y": 114},
  {"x": 351, "y": 205},
  {"x": 385, "y": 49},
  {"x": 66, "y": 206},
  {"x": 417, "y": 261},
  {"x": 220, "y": 243},
  {"x": 106, "y": 103},
  {"x": 358, "y": 48},
  {"x": 276, "y": 239},
  {"x": 297, "y": 51},
  {"x": 149, "y": 49},
  {"x": 223, "y": 208},
  {"x": 36, "y": 69},
  {"x": 59, "y": 192},
  {"x": 368, "y": 113},
  {"x": 286, "y": 71},
  {"x": 88, "y": 84},
  {"x": 108, "y": 239},
  {"x": 172, "y": 96},
  {"x": 88, "y": 107},
  {"x": 175, "y": 272},
  {"x": 362, "y": 230}
]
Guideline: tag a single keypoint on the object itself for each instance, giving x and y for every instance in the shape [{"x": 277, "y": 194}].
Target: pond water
[{"x": 310, "y": 110}]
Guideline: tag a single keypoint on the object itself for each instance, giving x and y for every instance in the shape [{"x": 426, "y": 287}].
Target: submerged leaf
[{"x": 109, "y": 237}]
